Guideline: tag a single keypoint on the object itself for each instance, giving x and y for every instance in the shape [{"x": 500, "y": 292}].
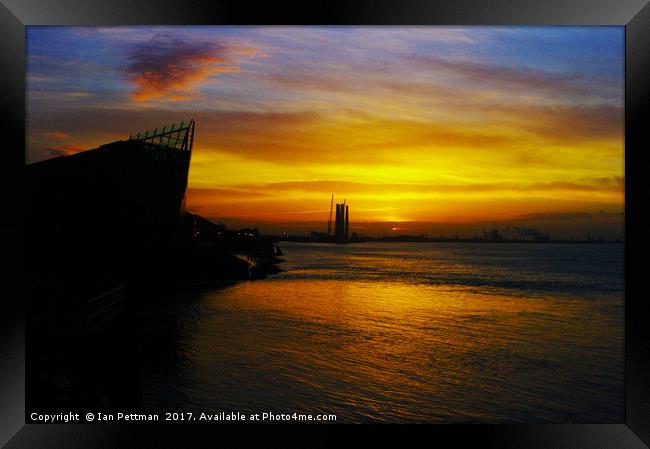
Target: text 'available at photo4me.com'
[{"x": 215, "y": 416}]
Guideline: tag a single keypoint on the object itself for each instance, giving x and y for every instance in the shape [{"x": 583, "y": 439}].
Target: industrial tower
[{"x": 342, "y": 223}]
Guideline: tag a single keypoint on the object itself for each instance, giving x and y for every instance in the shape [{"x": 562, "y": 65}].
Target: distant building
[
  {"x": 342, "y": 223},
  {"x": 319, "y": 236}
]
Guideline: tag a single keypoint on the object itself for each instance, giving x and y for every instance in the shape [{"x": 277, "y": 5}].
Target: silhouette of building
[
  {"x": 106, "y": 205},
  {"x": 342, "y": 223},
  {"x": 96, "y": 221}
]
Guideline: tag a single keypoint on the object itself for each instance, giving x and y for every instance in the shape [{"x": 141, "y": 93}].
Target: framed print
[{"x": 344, "y": 219}]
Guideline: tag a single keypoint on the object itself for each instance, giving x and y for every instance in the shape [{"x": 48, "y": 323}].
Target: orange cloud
[
  {"x": 172, "y": 68},
  {"x": 207, "y": 195},
  {"x": 63, "y": 150},
  {"x": 607, "y": 185}
]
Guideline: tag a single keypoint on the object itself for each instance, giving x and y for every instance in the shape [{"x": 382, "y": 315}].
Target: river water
[{"x": 405, "y": 332}]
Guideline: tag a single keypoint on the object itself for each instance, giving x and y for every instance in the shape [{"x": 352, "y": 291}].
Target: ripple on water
[{"x": 414, "y": 332}]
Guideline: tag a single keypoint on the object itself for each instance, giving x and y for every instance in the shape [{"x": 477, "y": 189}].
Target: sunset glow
[{"x": 436, "y": 126}]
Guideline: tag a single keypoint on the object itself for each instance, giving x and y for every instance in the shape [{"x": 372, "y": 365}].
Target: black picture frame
[{"x": 634, "y": 15}]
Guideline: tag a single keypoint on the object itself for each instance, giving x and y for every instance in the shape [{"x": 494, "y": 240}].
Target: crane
[{"x": 329, "y": 223}]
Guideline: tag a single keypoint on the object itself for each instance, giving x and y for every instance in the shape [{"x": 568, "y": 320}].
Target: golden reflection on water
[
  {"x": 402, "y": 351},
  {"x": 407, "y": 333}
]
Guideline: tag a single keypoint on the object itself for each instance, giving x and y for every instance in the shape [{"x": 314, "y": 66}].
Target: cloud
[
  {"x": 63, "y": 150},
  {"x": 615, "y": 216},
  {"x": 521, "y": 78},
  {"x": 560, "y": 124},
  {"x": 208, "y": 194},
  {"x": 56, "y": 134},
  {"x": 119, "y": 122},
  {"x": 443, "y": 79},
  {"x": 355, "y": 136},
  {"x": 576, "y": 123},
  {"x": 356, "y": 80},
  {"x": 607, "y": 185},
  {"x": 173, "y": 68},
  {"x": 78, "y": 94}
]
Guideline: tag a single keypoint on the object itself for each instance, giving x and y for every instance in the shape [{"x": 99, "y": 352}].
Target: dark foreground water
[{"x": 397, "y": 332}]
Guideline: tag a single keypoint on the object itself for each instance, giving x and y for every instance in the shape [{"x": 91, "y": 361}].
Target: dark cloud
[{"x": 617, "y": 216}]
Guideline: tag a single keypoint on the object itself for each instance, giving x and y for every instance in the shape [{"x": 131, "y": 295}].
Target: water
[{"x": 406, "y": 332}]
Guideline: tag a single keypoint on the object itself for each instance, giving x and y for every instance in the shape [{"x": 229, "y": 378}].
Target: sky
[{"x": 443, "y": 130}]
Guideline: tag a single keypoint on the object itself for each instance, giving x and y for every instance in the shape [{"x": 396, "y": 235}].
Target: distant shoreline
[{"x": 301, "y": 239}]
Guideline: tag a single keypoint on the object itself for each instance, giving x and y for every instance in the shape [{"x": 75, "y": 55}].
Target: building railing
[{"x": 180, "y": 138}]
